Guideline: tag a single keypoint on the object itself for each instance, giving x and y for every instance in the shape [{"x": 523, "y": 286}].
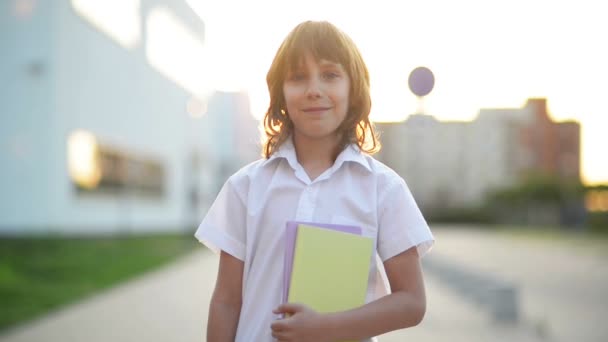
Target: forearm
[
  {"x": 396, "y": 311},
  {"x": 223, "y": 320}
]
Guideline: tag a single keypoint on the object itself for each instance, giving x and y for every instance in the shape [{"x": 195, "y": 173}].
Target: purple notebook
[{"x": 291, "y": 232}]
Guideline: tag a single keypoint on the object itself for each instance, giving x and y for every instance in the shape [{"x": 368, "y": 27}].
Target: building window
[{"x": 97, "y": 168}]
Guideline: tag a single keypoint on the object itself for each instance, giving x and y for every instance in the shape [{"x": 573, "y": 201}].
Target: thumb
[{"x": 289, "y": 308}]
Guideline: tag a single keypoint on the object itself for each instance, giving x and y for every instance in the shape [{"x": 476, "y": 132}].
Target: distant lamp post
[
  {"x": 83, "y": 159},
  {"x": 421, "y": 82}
]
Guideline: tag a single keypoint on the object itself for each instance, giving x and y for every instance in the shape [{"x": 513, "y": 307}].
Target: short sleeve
[
  {"x": 224, "y": 225},
  {"x": 401, "y": 224}
]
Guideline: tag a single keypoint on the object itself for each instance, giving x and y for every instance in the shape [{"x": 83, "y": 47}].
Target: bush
[{"x": 539, "y": 200}]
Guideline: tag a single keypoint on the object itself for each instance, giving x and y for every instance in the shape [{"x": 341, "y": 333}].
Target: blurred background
[{"x": 120, "y": 121}]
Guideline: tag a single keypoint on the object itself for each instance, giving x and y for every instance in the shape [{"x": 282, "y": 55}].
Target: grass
[{"x": 41, "y": 274}]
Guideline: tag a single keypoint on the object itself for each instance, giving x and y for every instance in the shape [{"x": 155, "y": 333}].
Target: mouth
[{"x": 315, "y": 110}]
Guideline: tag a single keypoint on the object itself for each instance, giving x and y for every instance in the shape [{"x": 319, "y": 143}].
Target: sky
[{"x": 484, "y": 54}]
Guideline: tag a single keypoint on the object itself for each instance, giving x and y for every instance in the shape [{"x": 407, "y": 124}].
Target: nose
[{"x": 313, "y": 89}]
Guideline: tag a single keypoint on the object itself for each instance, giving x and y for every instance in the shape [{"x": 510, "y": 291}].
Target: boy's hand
[{"x": 302, "y": 325}]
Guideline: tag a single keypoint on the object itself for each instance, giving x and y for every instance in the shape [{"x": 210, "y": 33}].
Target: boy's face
[{"x": 316, "y": 96}]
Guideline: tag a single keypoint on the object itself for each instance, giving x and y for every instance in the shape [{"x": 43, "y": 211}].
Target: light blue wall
[
  {"x": 89, "y": 82},
  {"x": 26, "y": 115}
]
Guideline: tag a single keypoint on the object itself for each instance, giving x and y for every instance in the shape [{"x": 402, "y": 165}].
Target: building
[
  {"x": 455, "y": 164},
  {"x": 107, "y": 125}
]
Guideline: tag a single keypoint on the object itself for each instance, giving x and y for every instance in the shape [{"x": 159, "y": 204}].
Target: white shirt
[{"x": 247, "y": 220}]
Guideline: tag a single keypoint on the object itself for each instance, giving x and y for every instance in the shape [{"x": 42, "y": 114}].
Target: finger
[
  {"x": 289, "y": 308},
  {"x": 280, "y": 336},
  {"x": 277, "y": 326}
]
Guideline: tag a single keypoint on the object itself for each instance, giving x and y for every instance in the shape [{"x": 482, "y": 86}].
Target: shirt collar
[
  {"x": 287, "y": 151},
  {"x": 352, "y": 153}
]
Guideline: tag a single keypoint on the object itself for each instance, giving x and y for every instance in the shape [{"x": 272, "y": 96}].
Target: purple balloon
[{"x": 421, "y": 81}]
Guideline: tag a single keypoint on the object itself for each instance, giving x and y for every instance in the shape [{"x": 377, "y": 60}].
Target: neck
[{"x": 316, "y": 155}]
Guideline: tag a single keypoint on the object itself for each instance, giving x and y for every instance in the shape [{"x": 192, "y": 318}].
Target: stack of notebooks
[{"x": 326, "y": 266}]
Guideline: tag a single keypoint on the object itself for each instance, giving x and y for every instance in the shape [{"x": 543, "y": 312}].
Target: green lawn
[{"x": 40, "y": 274}]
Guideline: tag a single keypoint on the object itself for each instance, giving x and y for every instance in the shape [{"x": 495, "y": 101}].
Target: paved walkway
[
  {"x": 171, "y": 304},
  {"x": 563, "y": 286}
]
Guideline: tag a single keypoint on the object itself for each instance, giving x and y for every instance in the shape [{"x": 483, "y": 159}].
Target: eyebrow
[{"x": 325, "y": 62}]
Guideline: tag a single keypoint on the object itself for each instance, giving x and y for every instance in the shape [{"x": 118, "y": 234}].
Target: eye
[
  {"x": 331, "y": 75},
  {"x": 297, "y": 76}
]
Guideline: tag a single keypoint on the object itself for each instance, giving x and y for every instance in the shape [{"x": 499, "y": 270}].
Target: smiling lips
[{"x": 315, "y": 110}]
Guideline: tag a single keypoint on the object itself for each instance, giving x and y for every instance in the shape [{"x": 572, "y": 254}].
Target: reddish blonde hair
[{"x": 324, "y": 41}]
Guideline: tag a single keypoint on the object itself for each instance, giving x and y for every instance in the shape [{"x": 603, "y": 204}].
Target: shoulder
[
  {"x": 385, "y": 176},
  {"x": 245, "y": 173},
  {"x": 368, "y": 167},
  {"x": 249, "y": 173}
]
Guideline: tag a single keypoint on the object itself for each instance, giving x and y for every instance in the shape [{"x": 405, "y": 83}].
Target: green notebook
[{"x": 330, "y": 269}]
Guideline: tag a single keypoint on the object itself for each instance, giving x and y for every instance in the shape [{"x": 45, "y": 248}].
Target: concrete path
[
  {"x": 563, "y": 285},
  {"x": 450, "y": 318},
  {"x": 171, "y": 304}
]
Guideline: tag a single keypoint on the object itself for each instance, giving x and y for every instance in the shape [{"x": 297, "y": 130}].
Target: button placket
[{"x": 305, "y": 208}]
